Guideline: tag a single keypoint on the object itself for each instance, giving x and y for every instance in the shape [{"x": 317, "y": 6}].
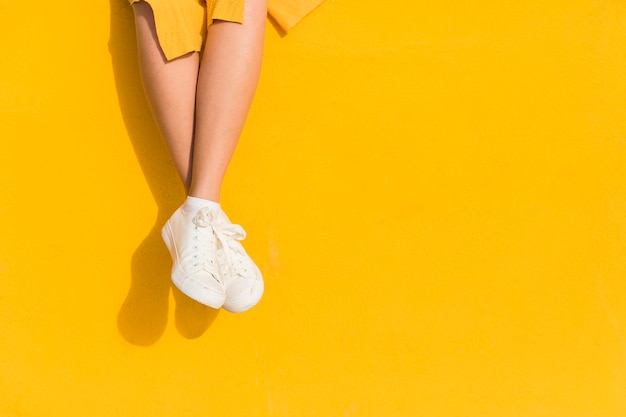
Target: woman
[{"x": 200, "y": 64}]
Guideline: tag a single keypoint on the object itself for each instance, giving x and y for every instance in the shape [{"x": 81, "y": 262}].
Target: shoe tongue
[{"x": 193, "y": 204}]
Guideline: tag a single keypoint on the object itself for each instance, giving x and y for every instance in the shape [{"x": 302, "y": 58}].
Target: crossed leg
[{"x": 201, "y": 103}]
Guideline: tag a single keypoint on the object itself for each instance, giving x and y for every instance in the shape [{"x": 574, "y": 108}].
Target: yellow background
[{"x": 434, "y": 191}]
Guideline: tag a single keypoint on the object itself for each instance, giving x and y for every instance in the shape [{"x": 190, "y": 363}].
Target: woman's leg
[
  {"x": 170, "y": 88},
  {"x": 228, "y": 77},
  {"x": 201, "y": 113},
  {"x": 229, "y": 72}
]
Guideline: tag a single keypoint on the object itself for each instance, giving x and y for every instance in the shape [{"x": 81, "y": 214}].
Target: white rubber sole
[{"x": 192, "y": 288}]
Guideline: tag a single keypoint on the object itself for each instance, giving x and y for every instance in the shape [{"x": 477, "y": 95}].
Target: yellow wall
[{"x": 434, "y": 191}]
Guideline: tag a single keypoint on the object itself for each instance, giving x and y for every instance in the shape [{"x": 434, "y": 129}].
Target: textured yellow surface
[{"x": 434, "y": 191}]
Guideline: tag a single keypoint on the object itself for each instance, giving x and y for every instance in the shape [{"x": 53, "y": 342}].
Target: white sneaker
[
  {"x": 192, "y": 244},
  {"x": 242, "y": 278}
]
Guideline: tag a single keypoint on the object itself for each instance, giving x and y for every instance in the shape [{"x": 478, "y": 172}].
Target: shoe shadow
[{"x": 143, "y": 315}]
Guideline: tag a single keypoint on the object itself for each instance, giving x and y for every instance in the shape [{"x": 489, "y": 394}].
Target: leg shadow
[
  {"x": 143, "y": 315},
  {"x": 192, "y": 318}
]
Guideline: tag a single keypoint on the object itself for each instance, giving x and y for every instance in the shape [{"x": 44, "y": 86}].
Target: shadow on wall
[{"x": 143, "y": 315}]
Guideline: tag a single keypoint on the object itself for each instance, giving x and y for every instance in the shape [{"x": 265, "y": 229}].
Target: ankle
[{"x": 193, "y": 204}]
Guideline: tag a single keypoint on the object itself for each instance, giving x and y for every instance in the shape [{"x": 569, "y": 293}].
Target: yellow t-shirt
[{"x": 181, "y": 24}]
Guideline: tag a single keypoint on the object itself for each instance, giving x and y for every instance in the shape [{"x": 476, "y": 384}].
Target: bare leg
[
  {"x": 170, "y": 88},
  {"x": 201, "y": 108},
  {"x": 229, "y": 73}
]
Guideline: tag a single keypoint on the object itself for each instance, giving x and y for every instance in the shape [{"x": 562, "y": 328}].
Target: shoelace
[
  {"x": 225, "y": 233},
  {"x": 203, "y": 223}
]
